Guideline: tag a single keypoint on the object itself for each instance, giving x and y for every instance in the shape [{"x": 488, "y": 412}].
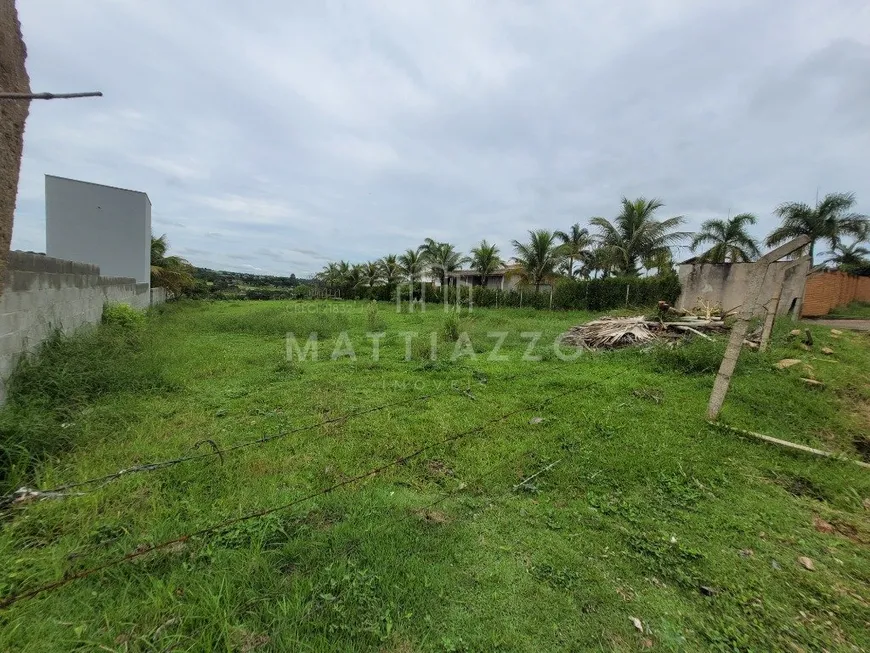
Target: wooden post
[
  {"x": 551, "y": 297},
  {"x": 627, "y": 288},
  {"x": 738, "y": 331}
]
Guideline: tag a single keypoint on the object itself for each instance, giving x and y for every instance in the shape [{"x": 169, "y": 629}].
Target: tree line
[{"x": 635, "y": 240}]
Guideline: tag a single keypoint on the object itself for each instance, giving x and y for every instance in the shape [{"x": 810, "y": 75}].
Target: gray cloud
[{"x": 304, "y": 132}]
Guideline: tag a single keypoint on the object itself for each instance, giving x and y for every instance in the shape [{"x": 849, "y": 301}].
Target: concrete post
[{"x": 738, "y": 330}]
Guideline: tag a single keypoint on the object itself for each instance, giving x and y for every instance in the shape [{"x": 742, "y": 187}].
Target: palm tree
[
  {"x": 576, "y": 245},
  {"x": 537, "y": 259},
  {"x": 635, "y": 235},
  {"x": 849, "y": 255},
  {"x": 392, "y": 271},
  {"x": 730, "y": 239},
  {"x": 600, "y": 260},
  {"x": 330, "y": 275},
  {"x": 355, "y": 277},
  {"x": 371, "y": 273},
  {"x": 441, "y": 258},
  {"x": 662, "y": 262},
  {"x": 570, "y": 271},
  {"x": 485, "y": 259},
  {"x": 412, "y": 264},
  {"x": 830, "y": 221},
  {"x": 171, "y": 272}
]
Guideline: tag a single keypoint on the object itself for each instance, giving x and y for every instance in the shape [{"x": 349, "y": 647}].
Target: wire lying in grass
[
  {"x": 150, "y": 467},
  {"x": 18, "y": 497},
  {"x": 143, "y": 550}
]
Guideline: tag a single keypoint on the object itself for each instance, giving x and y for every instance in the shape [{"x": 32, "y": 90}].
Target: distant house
[{"x": 500, "y": 279}]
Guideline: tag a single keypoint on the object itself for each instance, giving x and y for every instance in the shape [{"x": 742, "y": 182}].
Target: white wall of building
[{"x": 102, "y": 225}]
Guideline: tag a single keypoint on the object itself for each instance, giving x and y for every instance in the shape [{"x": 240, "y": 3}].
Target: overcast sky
[{"x": 276, "y": 135}]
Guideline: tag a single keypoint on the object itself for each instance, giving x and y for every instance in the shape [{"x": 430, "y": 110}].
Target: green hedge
[
  {"x": 591, "y": 295},
  {"x": 568, "y": 294}
]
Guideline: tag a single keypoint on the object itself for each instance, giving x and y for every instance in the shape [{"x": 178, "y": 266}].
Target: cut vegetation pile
[{"x": 616, "y": 332}]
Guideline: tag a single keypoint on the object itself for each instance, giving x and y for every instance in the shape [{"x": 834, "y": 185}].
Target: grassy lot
[
  {"x": 855, "y": 310},
  {"x": 648, "y": 514}
]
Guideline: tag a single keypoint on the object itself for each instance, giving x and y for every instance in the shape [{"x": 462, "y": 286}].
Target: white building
[{"x": 102, "y": 225}]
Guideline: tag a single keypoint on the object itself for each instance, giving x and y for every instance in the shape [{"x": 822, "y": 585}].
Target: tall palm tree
[
  {"x": 326, "y": 273},
  {"x": 355, "y": 277},
  {"x": 441, "y": 258},
  {"x": 537, "y": 259},
  {"x": 576, "y": 245},
  {"x": 600, "y": 260},
  {"x": 635, "y": 234},
  {"x": 849, "y": 255},
  {"x": 565, "y": 268},
  {"x": 392, "y": 271},
  {"x": 171, "y": 272},
  {"x": 830, "y": 221},
  {"x": 342, "y": 268},
  {"x": 485, "y": 259},
  {"x": 412, "y": 264},
  {"x": 372, "y": 274},
  {"x": 730, "y": 239}
]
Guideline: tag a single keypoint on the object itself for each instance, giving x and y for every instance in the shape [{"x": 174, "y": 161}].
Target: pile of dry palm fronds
[
  {"x": 614, "y": 332},
  {"x": 609, "y": 333}
]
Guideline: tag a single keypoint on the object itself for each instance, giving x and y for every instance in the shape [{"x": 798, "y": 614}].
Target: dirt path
[{"x": 854, "y": 325}]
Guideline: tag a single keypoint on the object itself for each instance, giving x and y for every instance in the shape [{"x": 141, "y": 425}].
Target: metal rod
[{"x": 47, "y": 96}]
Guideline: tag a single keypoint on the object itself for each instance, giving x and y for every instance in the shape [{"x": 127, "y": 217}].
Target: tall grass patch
[
  {"x": 51, "y": 386},
  {"x": 697, "y": 356},
  {"x": 280, "y": 318}
]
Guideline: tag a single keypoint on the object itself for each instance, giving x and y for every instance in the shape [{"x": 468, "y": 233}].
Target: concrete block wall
[
  {"x": 829, "y": 289},
  {"x": 43, "y": 294},
  {"x": 726, "y": 284},
  {"x": 158, "y": 296}
]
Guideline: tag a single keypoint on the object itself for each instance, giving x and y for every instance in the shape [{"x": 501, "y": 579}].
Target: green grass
[
  {"x": 649, "y": 513},
  {"x": 855, "y": 311}
]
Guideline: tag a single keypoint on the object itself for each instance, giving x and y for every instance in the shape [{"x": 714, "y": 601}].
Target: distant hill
[{"x": 224, "y": 278}]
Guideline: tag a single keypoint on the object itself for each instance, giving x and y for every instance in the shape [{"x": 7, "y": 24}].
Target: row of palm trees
[{"x": 632, "y": 241}]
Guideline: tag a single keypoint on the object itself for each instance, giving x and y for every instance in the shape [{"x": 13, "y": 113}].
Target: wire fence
[
  {"x": 219, "y": 526},
  {"x": 220, "y": 451}
]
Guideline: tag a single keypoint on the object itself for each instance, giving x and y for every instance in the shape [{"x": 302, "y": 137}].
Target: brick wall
[
  {"x": 828, "y": 289},
  {"x": 43, "y": 294}
]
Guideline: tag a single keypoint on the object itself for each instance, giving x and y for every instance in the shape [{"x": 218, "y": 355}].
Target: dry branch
[{"x": 614, "y": 332}]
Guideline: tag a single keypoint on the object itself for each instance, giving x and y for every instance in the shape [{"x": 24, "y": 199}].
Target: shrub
[
  {"x": 450, "y": 326},
  {"x": 374, "y": 320},
  {"x": 123, "y": 315}
]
